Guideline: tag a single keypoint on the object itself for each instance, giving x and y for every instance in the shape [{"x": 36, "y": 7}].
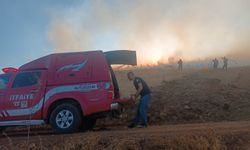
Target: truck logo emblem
[{"x": 75, "y": 67}]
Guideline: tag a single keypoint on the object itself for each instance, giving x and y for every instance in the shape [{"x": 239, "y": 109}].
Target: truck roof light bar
[{"x": 9, "y": 70}]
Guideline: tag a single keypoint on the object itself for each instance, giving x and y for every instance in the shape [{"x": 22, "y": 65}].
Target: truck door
[
  {"x": 4, "y": 80},
  {"x": 119, "y": 57},
  {"x": 24, "y": 100}
]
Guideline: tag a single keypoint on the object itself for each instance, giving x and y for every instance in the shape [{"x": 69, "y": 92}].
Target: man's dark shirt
[{"x": 145, "y": 88}]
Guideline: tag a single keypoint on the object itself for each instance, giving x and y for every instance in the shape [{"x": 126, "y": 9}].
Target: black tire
[
  {"x": 88, "y": 123},
  {"x": 2, "y": 129},
  {"x": 61, "y": 118}
]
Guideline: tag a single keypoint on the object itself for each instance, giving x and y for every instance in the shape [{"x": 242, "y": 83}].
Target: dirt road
[{"x": 223, "y": 135}]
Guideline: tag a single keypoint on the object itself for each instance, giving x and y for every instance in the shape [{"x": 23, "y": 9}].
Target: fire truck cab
[{"x": 69, "y": 91}]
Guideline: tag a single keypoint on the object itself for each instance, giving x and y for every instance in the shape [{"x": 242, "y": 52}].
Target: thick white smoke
[{"x": 157, "y": 29}]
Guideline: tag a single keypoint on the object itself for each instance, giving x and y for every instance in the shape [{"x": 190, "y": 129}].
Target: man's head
[{"x": 131, "y": 76}]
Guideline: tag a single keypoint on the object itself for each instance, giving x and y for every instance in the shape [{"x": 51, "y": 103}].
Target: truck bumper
[
  {"x": 115, "y": 106},
  {"x": 116, "y": 110},
  {"x": 117, "y": 103}
]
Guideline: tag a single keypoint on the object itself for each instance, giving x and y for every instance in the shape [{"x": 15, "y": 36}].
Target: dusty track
[{"x": 157, "y": 135}]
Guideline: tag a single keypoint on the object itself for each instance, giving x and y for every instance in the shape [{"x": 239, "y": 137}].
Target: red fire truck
[{"x": 69, "y": 91}]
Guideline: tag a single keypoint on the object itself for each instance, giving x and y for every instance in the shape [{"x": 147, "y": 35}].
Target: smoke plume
[{"x": 158, "y": 29}]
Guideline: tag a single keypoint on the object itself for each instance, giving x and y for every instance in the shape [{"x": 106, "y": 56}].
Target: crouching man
[{"x": 144, "y": 92}]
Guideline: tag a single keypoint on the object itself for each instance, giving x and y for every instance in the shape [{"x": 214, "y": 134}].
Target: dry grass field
[{"x": 190, "y": 110}]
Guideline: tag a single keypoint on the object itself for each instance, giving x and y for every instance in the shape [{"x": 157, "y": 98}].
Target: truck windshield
[{"x": 4, "y": 80}]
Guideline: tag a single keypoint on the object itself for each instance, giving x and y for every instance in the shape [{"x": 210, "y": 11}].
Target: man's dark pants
[{"x": 142, "y": 110}]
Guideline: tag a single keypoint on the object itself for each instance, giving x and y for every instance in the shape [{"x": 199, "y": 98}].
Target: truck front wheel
[{"x": 66, "y": 118}]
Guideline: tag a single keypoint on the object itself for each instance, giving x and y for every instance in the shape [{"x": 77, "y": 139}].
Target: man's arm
[{"x": 140, "y": 87}]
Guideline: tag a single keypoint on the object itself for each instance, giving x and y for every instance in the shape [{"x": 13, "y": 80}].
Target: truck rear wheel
[
  {"x": 66, "y": 118},
  {"x": 88, "y": 123},
  {"x": 2, "y": 129}
]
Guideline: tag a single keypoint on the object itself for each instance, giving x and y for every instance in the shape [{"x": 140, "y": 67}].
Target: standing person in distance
[
  {"x": 180, "y": 63},
  {"x": 225, "y": 63}
]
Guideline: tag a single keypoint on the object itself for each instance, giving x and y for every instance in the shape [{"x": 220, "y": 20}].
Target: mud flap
[{"x": 125, "y": 57}]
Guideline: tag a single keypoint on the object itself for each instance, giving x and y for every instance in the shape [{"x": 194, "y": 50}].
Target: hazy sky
[
  {"x": 24, "y": 29},
  {"x": 157, "y": 29}
]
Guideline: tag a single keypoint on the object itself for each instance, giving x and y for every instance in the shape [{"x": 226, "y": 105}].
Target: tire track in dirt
[{"x": 120, "y": 132}]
